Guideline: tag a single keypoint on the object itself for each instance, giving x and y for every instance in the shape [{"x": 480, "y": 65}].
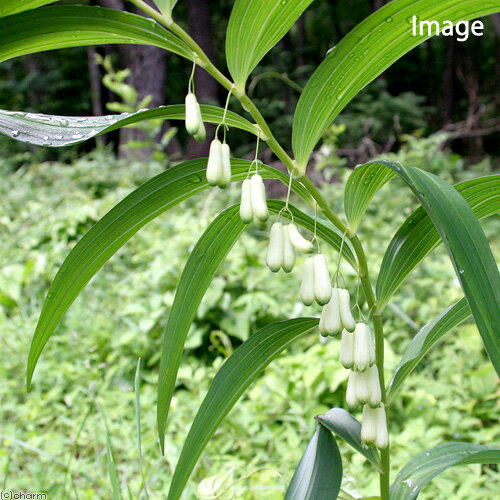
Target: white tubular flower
[
  {"x": 288, "y": 251},
  {"x": 364, "y": 348},
  {"x": 330, "y": 316},
  {"x": 382, "y": 439},
  {"x": 201, "y": 135},
  {"x": 214, "y": 166},
  {"x": 246, "y": 212},
  {"x": 192, "y": 114},
  {"x": 347, "y": 349},
  {"x": 307, "y": 285},
  {"x": 348, "y": 321},
  {"x": 298, "y": 241},
  {"x": 373, "y": 382},
  {"x": 259, "y": 203},
  {"x": 322, "y": 281},
  {"x": 369, "y": 425},
  {"x": 225, "y": 177},
  {"x": 351, "y": 395},
  {"x": 275, "y": 251}
]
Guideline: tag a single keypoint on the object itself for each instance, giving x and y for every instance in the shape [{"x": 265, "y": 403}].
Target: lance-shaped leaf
[
  {"x": 200, "y": 269},
  {"x": 344, "y": 425},
  {"x": 424, "y": 341},
  {"x": 59, "y": 27},
  {"x": 112, "y": 231},
  {"x": 418, "y": 235},
  {"x": 237, "y": 373},
  {"x": 319, "y": 473},
  {"x": 254, "y": 28},
  {"x": 368, "y": 50},
  {"x": 419, "y": 471},
  {"x": 466, "y": 244},
  {"x": 9, "y": 7},
  {"x": 59, "y": 131}
]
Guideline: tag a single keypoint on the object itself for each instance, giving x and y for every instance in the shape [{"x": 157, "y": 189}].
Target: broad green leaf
[
  {"x": 9, "y": 7},
  {"x": 368, "y": 50},
  {"x": 198, "y": 273},
  {"x": 344, "y": 425},
  {"x": 319, "y": 473},
  {"x": 327, "y": 233},
  {"x": 111, "y": 232},
  {"x": 418, "y": 236},
  {"x": 424, "y": 341},
  {"x": 58, "y": 131},
  {"x": 243, "y": 367},
  {"x": 58, "y": 27},
  {"x": 201, "y": 266},
  {"x": 420, "y": 471},
  {"x": 360, "y": 188},
  {"x": 467, "y": 248},
  {"x": 255, "y": 28}
]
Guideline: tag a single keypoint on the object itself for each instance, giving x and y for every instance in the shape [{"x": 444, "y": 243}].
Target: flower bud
[
  {"x": 347, "y": 349},
  {"x": 225, "y": 177},
  {"x": 369, "y": 425},
  {"x": 364, "y": 348},
  {"x": 307, "y": 285},
  {"x": 298, "y": 241},
  {"x": 192, "y": 114},
  {"x": 374, "y": 386},
  {"x": 201, "y": 135},
  {"x": 345, "y": 310},
  {"x": 214, "y": 166},
  {"x": 322, "y": 282},
  {"x": 351, "y": 395},
  {"x": 330, "y": 316},
  {"x": 259, "y": 203},
  {"x": 382, "y": 439},
  {"x": 288, "y": 251},
  {"x": 246, "y": 212},
  {"x": 275, "y": 251}
]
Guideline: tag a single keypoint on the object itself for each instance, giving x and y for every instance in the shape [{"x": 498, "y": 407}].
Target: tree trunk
[{"x": 200, "y": 28}]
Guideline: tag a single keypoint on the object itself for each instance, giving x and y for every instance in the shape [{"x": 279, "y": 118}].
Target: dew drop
[{"x": 388, "y": 19}]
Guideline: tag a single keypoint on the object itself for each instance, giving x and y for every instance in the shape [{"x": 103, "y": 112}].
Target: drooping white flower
[
  {"x": 382, "y": 440},
  {"x": 322, "y": 281},
  {"x": 214, "y": 165},
  {"x": 346, "y": 317},
  {"x": 259, "y": 202},
  {"x": 288, "y": 251},
  {"x": 329, "y": 323},
  {"x": 246, "y": 212},
  {"x": 307, "y": 286},
  {"x": 364, "y": 387},
  {"x": 347, "y": 349},
  {"x": 298, "y": 241},
  {"x": 369, "y": 425},
  {"x": 275, "y": 251},
  {"x": 193, "y": 114},
  {"x": 364, "y": 348},
  {"x": 225, "y": 174}
]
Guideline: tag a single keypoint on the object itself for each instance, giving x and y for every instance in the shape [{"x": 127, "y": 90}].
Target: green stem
[{"x": 203, "y": 60}]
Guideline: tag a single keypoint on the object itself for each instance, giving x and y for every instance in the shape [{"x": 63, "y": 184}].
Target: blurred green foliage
[{"x": 53, "y": 440}]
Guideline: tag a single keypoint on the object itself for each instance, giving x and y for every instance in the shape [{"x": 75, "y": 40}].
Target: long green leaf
[
  {"x": 360, "y": 188},
  {"x": 418, "y": 472},
  {"x": 319, "y": 473},
  {"x": 418, "y": 236},
  {"x": 201, "y": 266},
  {"x": 111, "y": 232},
  {"x": 58, "y": 27},
  {"x": 467, "y": 248},
  {"x": 254, "y": 28},
  {"x": 424, "y": 341},
  {"x": 368, "y": 50},
  {"x": 198, "y": 273},
  {"x": 237, "y": 373},
  {"x": 344, "y": 425},
  {"x": 9, "y": 7},
  {"x": 58, "y": 131}
]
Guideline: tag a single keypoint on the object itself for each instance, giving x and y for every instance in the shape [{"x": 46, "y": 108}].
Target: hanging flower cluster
[{"x": 357, "y": 350}]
